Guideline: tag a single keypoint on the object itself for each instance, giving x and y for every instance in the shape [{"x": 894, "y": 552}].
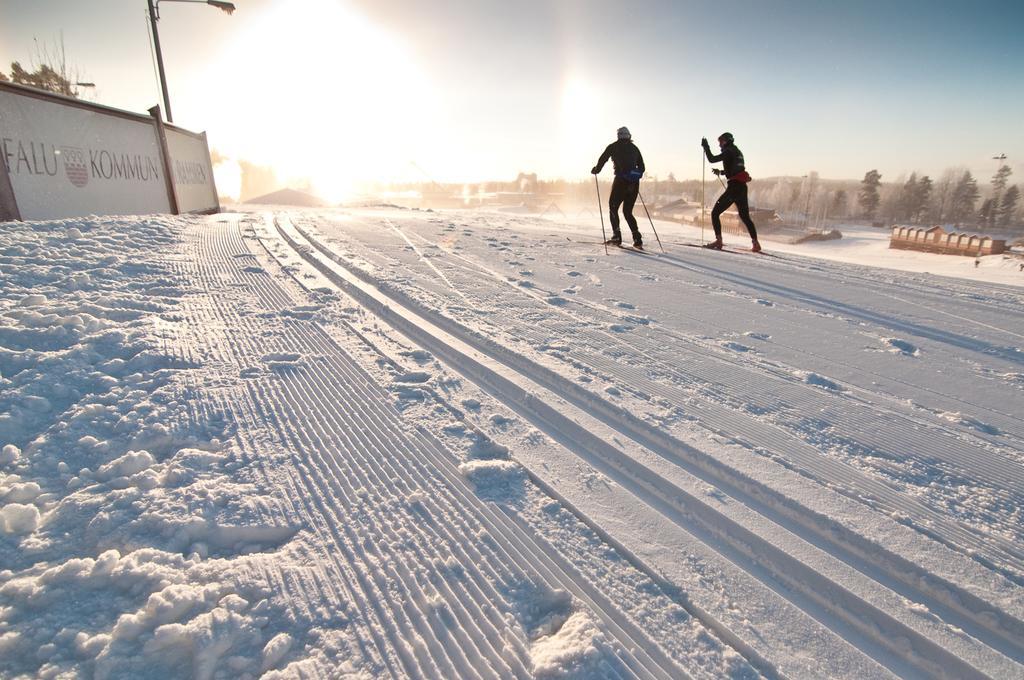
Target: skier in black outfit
[
  {"x": 735, "y": 191},
  {"x": 629, "y": 168}
]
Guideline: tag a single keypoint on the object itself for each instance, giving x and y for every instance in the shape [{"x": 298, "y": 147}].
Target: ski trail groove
[
  {"x": 883, "y": 628},
  {"x": 346, "y": 442},
  {"x": 954, "y": 460}
]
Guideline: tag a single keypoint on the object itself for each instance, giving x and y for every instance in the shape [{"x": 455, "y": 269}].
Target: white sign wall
[
  {"x": 65, "y": 158},
  {"x": 191, "y": 170}
]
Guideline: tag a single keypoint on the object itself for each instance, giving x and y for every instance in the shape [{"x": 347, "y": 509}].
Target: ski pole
[
  {"x": 650, "y": 220},
  {"x": 703, "y": 172},
  {"x": 600, "y": 212}
]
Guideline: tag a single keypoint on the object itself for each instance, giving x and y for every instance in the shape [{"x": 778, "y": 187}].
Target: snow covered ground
[{"x": 393, "y": 443}]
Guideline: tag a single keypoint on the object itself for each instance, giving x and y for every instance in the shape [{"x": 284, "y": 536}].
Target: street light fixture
[{"x": 154, "y": 16}]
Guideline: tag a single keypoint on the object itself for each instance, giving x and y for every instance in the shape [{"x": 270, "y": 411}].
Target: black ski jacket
[
  {"x": 731, "y": 157},
  {"x": 625, "y": 157}
]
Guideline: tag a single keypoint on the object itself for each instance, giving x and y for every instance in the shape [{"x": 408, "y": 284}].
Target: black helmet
[{"x": 726, "y": 137}]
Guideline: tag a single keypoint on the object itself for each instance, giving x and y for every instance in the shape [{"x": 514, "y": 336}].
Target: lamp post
[{"x": 154, "y": 16}]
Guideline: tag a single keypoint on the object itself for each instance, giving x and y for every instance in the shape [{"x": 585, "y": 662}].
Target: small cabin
[{"x": 938, "y": 240}]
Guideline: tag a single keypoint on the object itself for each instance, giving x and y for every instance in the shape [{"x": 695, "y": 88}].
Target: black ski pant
[
  {"x": 735, "y": 192},
  {"x": 624, "y": 193}
]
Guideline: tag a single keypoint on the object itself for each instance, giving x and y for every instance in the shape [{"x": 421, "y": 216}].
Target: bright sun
[{"x": 316, "y": 91}]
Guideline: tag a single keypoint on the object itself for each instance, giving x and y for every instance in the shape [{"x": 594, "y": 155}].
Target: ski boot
[
  {"x": 714, "y": 245},
  {"x": 755, "y": 247}
]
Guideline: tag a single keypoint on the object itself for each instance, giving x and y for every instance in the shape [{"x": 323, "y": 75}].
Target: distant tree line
[{"x": 954, "y": 199}]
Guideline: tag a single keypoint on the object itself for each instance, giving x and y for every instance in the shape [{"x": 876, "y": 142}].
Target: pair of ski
[
  {"x": 623, "y": 246},
  {"x": 726, "y": 250},
  {"x": 620, "y": 246}
]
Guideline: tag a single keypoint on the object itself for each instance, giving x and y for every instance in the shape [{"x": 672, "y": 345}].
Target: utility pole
[{"x": 153, "y": 18}]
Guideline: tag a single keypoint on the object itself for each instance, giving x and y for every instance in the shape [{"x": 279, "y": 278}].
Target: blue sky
[{"x": 474, "y": 89}]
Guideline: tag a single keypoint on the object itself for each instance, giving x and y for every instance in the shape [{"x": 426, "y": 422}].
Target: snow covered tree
[
  {"x": 938, "y": 211},
  {"x": 918, "y": 203},
  {"x": 44, "y": 78},
  {"x": 868, "y": 197},
  {"x": 907, "y": 197},
  {"x": 999, "y": 182},
  {"x": 988, "y": 211},
  {"x": 1008, "y": 206},
  {"x": 1001, "y": 179},
  {"x": 964, "y": 198},
  {"x": 839, "y": 205},
  {"x": 48, "y": 70}
]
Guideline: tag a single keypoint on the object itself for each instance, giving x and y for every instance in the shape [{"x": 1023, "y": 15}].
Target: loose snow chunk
[
  {"x": 818, "y": 381},
  {"x": 16, "y": 518},
  {"x": 9, "y": 642},
  {"x": 233, "y": 603},
  {"x": 167, "y": 606},
  {"x": 127, "y": 465},
  {"x": 495, "y": 479},
  {"x": 413, "y": 377},
  {"x": 275, "y": 650},
  {"x": 973, "y": 423},
  {"x": 105, "y": 563},
  {"x": 35, "y": 300},
  {"x": 901, "y": 347},
  {"x": 10, "y": 454},
  {"x": 282, "y": 357},
  {"x": 204, "y": 640},
  {"x": 22, "y": 493},
  {"x": 283, "y": 361},
  {"x": 487, "y": 449},
  {"x": 36, "y": 404},
  {"x": 420, "y": 356},
  {"x": 570, "y": 650}
]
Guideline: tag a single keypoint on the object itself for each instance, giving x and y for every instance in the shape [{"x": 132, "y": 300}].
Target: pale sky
[{"x": 356, "y": 90}]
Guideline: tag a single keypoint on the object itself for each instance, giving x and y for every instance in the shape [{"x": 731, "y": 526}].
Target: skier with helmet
[
  {"x": 735, "y": 192},
  {"x": 629, "y": 168}
]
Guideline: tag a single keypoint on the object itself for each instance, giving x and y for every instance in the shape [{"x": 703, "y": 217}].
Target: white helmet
[{"x": 623, "y": 133}]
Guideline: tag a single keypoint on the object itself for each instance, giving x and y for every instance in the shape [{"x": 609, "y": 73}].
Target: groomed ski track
[
  {"x": 761, "y": 492},
  {"x": 426, "y": 578}
]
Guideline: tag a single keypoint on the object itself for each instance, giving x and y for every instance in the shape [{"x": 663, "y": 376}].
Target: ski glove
[
  {"x": 716, "y": 171},
  {"x": 704, "y": 142},
  {"x": 594, "y": 170}
]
